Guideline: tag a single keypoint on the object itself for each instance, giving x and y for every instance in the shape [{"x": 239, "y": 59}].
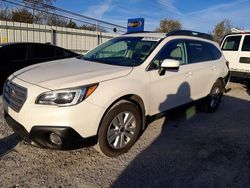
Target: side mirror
[{"x": 169, "y": 64}]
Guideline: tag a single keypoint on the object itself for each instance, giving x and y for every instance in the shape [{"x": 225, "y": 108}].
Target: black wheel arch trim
[{"x": 135, "y": 99}]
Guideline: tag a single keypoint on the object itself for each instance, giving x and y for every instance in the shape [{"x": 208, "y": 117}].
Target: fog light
[{"x": 55, "y": 139}]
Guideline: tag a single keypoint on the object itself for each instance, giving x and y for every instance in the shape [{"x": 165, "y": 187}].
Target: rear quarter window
[
  {"x": 215, "y": 52},
  {"x": 61, "y": 53},
  {"x": 231, "y": 43}
]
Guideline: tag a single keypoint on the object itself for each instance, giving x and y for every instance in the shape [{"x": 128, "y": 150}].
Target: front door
[{"x": 173, "y": 88}]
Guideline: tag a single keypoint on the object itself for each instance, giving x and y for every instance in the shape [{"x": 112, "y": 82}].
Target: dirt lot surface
[{"x": 191, "y": 149}]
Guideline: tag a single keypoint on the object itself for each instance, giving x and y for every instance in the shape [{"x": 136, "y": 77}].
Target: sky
[{"x": 193, "y": 14}]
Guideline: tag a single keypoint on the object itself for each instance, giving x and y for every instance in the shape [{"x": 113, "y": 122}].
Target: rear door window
[
  {"x": 198, "y": 51},
  {"x": 246, "y": 44},
  {"x": 231, "y": 43},
  {"x": 39, "y": 51}
]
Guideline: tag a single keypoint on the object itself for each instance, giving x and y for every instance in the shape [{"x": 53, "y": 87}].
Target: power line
[{"x": 74, "y": 16}]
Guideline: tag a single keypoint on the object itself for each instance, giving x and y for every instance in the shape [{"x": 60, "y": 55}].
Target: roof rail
[
  {"x": 190, "y": 33},
  {"x": 138, "y": 32}
]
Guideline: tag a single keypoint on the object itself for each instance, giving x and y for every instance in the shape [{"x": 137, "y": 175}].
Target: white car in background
[
  {"x": 236, "y": 49},
  {"x": 106, "y": 96}
]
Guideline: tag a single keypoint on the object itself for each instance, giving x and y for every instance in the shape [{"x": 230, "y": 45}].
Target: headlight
[{"x": 66, "y": 97}]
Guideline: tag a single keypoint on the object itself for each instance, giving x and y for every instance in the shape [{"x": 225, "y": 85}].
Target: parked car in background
[
  {"x": 15, "y": 56},
  {"x": 106, "y": 96},
  {"x": 236, "y": 49}
]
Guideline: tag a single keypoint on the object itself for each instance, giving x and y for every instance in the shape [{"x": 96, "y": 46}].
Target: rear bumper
[
  {"x": 40, "y": 135},
  {"x": 241, "y": 75}
]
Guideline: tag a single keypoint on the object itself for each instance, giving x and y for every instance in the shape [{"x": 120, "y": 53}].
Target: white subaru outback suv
[{"x": 105, "y": 97}]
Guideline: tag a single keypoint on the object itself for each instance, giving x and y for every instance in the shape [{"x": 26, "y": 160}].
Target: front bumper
[{"x": 40, "y": 135}]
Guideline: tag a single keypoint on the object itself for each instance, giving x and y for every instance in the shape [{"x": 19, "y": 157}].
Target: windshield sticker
[{"x": 151, "y": 39}]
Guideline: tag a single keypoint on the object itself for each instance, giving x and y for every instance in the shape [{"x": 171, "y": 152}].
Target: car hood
[{"x": 70, "y": 73}]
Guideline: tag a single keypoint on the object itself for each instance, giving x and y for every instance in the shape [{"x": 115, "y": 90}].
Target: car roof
[
  {"x": 235, "y": 34},
  {"x": 14, "y": 43},
  {"x": 238, "y": 33},
  {"x": 44, "y": 44},
  {"x": 188, "y": 33}
]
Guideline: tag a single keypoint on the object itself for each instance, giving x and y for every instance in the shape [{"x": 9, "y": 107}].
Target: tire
[
  {"x": 212, "y": 101},
  {"x": 248, "y": 83},
  {"x": 119, "y": 129}
]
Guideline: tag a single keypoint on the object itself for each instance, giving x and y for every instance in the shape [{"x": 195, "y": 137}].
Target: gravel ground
[{"x": 188, "y": 149}]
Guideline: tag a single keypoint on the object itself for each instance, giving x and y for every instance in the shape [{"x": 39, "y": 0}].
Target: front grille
[{"x": 14, "y": 95}]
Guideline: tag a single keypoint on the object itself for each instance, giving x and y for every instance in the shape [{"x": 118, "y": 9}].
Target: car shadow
[
  {"x": 8, "y": 143},
  {"x": 196, "y": 149},
  {"x": 245, "y": 83},
  {"x": 1, "y": 89}
]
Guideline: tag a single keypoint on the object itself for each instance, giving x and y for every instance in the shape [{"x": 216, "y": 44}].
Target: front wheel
[
  {"x": 213, "y": 99},
  {"x": 120, "y": 129},
  {"x": 248, "y": 83}
]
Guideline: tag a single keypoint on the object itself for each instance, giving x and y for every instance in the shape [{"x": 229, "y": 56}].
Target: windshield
[{"x": 123, "y": 51}]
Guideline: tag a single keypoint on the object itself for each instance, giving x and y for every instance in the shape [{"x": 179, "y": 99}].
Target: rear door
[
  {"x": 244, "y": 56},
  {"x": 203, "y": 66},
  {"x": 231, "y": 50}
]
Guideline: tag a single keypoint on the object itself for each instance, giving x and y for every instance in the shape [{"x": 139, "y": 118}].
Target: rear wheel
[
  {"x": 213, "y": 99},
  {"x": 119, "y": 129}
]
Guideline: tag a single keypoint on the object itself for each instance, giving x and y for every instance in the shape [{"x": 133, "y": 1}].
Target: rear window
[
  {"x": 246, "y": 44},
  {"x": 231, "y": 43}
]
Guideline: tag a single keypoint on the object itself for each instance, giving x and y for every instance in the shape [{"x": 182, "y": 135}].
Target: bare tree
[
  {"x": 22, "y": 15},
  {"x": 92, "y": 28},
  {"x": 40, "y": 9},
  {"x": 221, "y": 29},
  {"x": 55, "y": 20},
  {"x": 72, "y": 24},
  {"x": 167, "y": 25},
  {"x": 5, "y": 13}
]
